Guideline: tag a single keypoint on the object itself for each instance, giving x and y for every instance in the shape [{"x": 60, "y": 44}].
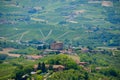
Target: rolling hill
[{"x": 76, "y": 22}]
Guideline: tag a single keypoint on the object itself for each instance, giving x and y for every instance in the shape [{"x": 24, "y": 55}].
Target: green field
[{"x": 89, "y": 24}]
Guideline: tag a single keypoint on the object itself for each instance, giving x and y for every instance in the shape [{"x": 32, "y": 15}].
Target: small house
[
  {"x": 82, "y": 63},
  {"x": 33, "y": 57},
  {"x": 58, "y": 67}
]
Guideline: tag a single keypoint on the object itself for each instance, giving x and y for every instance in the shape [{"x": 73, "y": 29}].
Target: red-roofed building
[
  {"x": 57, "y": 46},
  {"x": 33, "y": 57}
]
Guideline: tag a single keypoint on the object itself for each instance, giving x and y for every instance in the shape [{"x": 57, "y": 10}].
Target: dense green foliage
[
  {"x": 111, "y": 73},
  {"x": 76, "y": 75},
  {"x": 15, "y": 68},
  {"x": 103, "y": 66},
  {"x": 104, "y": 63},
  {"x": 96, "y": 59},
  {"x": 68, "y": 75},
  {"x": 28, "y": 50},
  {"x": 6, "y": 71},
  {"x": 106, "y": 58},
  {"x": 62, "y": 59},
  {"x": 41, "y": 66},
  {"x": 22, "y": 71},
  {"x": 8, "y": 44},
  {"x": 3, "y": 56}
]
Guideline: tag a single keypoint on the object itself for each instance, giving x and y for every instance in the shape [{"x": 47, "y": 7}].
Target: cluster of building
[{"x": 58, "y": 47}]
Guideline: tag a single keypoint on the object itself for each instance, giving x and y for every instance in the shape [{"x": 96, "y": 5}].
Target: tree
[
  {"x": 110, "y": 72},
  {"x": 1, "y": 49},
  {"x": 39, "y": 66},
  {"x": 43, "y": 67},
  {"x": 64, "y": 60},
  {"x": 28, "y": 69},
  {"x": 3, "y": 56},
  {"x": 19, "y": 74},
  {"x": 86, "y": 76},
  {"x": 22, "y": 73},
  {"x": 50, "y": 67}
]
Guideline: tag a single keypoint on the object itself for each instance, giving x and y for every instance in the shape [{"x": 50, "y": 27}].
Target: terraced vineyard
[{"x": 78, "y": 22}]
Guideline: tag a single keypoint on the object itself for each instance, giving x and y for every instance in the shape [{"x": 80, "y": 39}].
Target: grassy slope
[{"x": 53, "y": 13}]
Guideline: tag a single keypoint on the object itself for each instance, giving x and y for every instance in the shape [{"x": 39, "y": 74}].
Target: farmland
[
  {"x": 85, "y": 22},
  {"x": 59, "y": 39}
]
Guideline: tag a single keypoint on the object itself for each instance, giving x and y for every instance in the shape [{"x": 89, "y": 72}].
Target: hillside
[{"x": 76, "y": 22}]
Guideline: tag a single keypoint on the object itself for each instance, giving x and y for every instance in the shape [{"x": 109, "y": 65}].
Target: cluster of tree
[
  {"x": 69, "y": 75},
  {"x": 76, "y": 75},
  {"x": 64, "y": 60},
  {"x": 7, "y": 44},
  {"x": 22, "y": 72},
  {"x": 111, "y": 72},
  {"x": 28, "y": 50},
  {"x": 43, "y": 47},
  {"x": 41, "y": 66},
  {"x": 72, "y": 70},
  {"x": 108, "y": 64},
  {"x": 1, "y": 49},
  {"x": 3, "y": 57},
  {"x": 96, "y": 58}
]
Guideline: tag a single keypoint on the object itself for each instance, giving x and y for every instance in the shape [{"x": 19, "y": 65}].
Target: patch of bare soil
[
  {"x": 107, "y": 3},
  {"x": 6, "y": 50}
]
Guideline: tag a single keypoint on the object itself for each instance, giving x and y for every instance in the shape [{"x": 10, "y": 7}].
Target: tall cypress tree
[
  {"x": 43, "y": 67},
  {"x": 39, "y": 66},
  {"x": 86, "y": 76}
]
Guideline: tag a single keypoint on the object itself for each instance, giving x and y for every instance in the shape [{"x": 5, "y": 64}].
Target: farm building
[{"x": 33, "y": 57}]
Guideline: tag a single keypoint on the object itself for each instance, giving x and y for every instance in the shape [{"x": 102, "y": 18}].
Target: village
[
  {"x": 57, "y": 48},
  {"x": 59, "y": 56}
]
